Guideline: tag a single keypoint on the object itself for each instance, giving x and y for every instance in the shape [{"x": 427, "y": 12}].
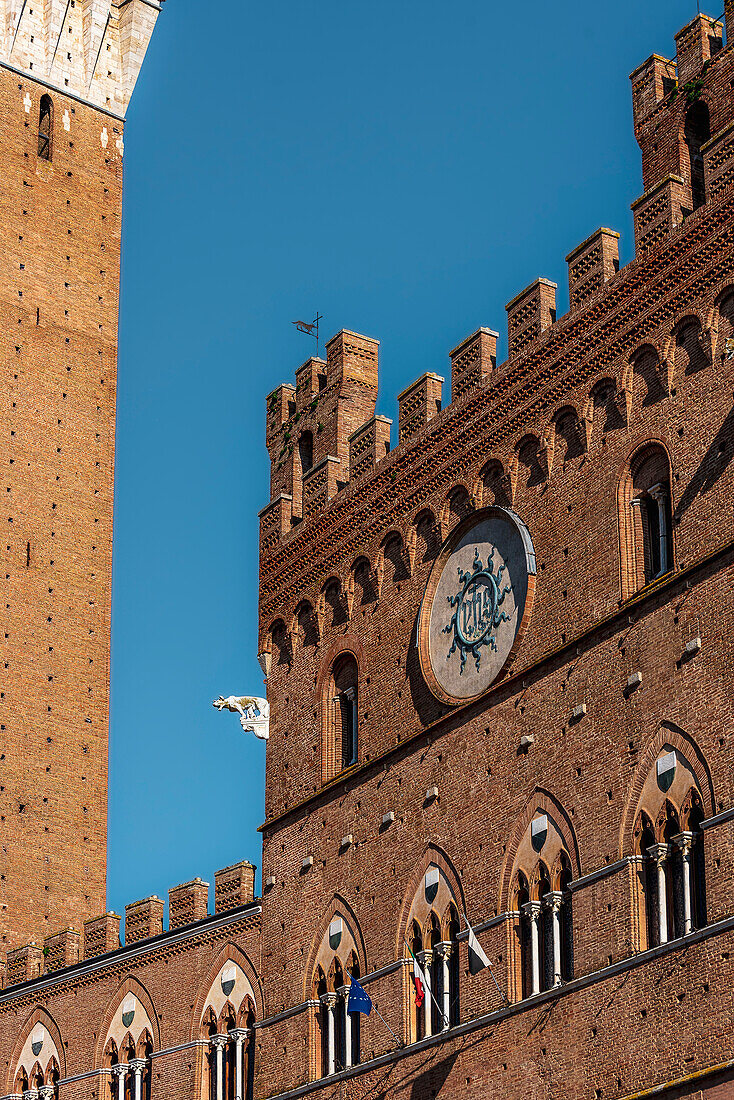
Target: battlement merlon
[
  {"x": 313, "y": 420},
  {"x": 677, "y": 103},
  {"x": 234, "y": 888},
  {"x": 92, "y": 50}
]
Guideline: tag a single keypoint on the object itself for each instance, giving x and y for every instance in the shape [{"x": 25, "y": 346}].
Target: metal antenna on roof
[{"x": 311, "y": 329}]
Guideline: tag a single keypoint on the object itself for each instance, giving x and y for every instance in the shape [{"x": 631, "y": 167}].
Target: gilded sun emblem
[{"x": 477, "y": 609}]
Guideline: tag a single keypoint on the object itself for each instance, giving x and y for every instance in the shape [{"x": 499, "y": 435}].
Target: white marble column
[
  {"x": 684, "y": 842},
  {"x": 531, "y": 909},
  {"x": 239, "y": 1036},
  {"x": 425, "y": 958},
  {"x": 554, "y": 901},
  {"x": 120, "y": 1072},
  {"x": 30, "y": 1094},
  {"x": 328, "y": 1000},
  {"x": 138, "y": 1067},
  {"x": 660, "y": 495},
  {"x": 444, "y": 953},
  {"x": 659, "y": 853},
  {"x": 219, "y": 1043},
  {"x": 46, "y": 1092}
]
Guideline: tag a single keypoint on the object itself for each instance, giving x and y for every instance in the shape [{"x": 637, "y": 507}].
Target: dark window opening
[
  {"x": 305, "y": 451},
  {"x": 697, "y": 131},
  {"x": 45, "y": 127}
]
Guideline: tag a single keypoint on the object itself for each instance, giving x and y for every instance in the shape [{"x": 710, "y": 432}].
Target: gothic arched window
[
  {"x": 541, "y": 900},
  {"x": 667, "y": 841},
  {"x": 344, "y": 711},
  {"x": 646, "y": 520}
]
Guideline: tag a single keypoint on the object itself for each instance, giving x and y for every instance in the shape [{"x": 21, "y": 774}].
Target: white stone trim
[{"x": 36, "y": 79}]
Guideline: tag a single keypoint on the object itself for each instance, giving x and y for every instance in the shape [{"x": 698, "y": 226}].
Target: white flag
[{"x": 477, "y": 958}]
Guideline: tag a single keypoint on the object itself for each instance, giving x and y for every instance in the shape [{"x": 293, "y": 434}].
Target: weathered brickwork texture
[
  {"x": 609, "y": 434},
  {"x": 60, "y": 211}
]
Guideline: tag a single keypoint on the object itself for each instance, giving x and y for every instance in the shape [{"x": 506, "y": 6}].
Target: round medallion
[{"x": 477, "y": 604}]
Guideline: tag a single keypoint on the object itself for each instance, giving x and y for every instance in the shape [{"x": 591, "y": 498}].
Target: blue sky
[{"x": 404, "y": 168}]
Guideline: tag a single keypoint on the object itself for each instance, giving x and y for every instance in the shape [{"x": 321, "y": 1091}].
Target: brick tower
[{"x": 66, "y": 75}]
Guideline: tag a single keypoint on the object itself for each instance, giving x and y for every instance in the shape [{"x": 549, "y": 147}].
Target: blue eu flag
[{"x": 359, "y": 1000}]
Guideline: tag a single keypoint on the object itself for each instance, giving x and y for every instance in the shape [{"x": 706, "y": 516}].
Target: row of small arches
[
  {"x": 397, "y": 556},
  {"x": 645, "y": 377},
  {"x": 691, "y": 346}
]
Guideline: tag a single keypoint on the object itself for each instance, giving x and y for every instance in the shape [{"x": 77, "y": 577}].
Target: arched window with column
[
  {"x": 536, "y": 892},
  {"x": 130, "y": 1027},
  {"x": 666, "y": 842},
  {"x": 672, "y": 879},
  {"x": 645, "y": 519},
  {"x": 37, "y": 1068},
  {"x": 335, "y": 959},
  {"x": 340, "y": 716},
  {"x": 227, "y": 1020},
  {"x": 429, "y": 928},
  {"x": 45, "y": 128}
]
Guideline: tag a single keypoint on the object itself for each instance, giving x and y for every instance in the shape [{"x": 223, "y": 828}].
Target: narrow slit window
[{"x": 45, "y": 128}]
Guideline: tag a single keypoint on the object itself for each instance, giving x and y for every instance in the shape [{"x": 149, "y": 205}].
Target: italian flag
[{"x": 419, "y": 980}]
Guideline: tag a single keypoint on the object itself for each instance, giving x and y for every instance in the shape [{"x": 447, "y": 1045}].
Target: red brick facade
[{"x": 578, "y": 810}]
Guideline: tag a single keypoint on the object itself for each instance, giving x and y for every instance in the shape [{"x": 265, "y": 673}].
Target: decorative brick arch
[
  {"x": 339, "y": 607},
  {"x": 393, "y": 537},
  {"x": 338, "y": 907},
  {"x": 459, "y": 491},
  {"x": 38, "y": 1016},
  {"x": 422, "y": 516},
  {"x": 229, "y": 953},
  {"x": 606, "y": 399},
  {"x": 431, "y": 855},
  {"x": 129, "y": 985},
  {"x": 667, "y": 734},
  {"x": 541, "y": 801},
  {"x": 563, "y": 415}
]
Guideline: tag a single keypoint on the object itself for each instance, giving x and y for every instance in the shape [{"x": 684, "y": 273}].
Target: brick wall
[{"x": 59, "y": 288}]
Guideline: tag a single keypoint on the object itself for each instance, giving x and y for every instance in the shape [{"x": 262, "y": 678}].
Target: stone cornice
[
  {"x": 718, "y": 819},
  {"x": 36, "y": 79}
]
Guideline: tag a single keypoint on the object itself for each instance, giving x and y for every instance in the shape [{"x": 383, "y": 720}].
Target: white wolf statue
[{"x": 254, "y": 713}]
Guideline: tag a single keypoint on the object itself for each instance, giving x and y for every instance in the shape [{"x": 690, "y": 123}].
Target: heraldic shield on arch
[{"x": 477, "y": 604}]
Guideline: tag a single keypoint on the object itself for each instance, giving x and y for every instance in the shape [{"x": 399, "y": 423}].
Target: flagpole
[
  {"x": 398, "y": 1041},
  {"x": 373, "y": 1005},
  {"x": 490, "y": 968},
  {"x": 428, "y": 983}
]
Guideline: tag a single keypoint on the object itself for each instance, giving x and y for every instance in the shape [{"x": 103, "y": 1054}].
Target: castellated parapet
[
  {"x": 91, "y": 49},
  {"x": 686, "y": 136},
  {"x": 234, "y": 888}
]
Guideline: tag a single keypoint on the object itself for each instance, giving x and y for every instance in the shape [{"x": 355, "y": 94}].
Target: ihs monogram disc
[{"x": 479, "y": 593}]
